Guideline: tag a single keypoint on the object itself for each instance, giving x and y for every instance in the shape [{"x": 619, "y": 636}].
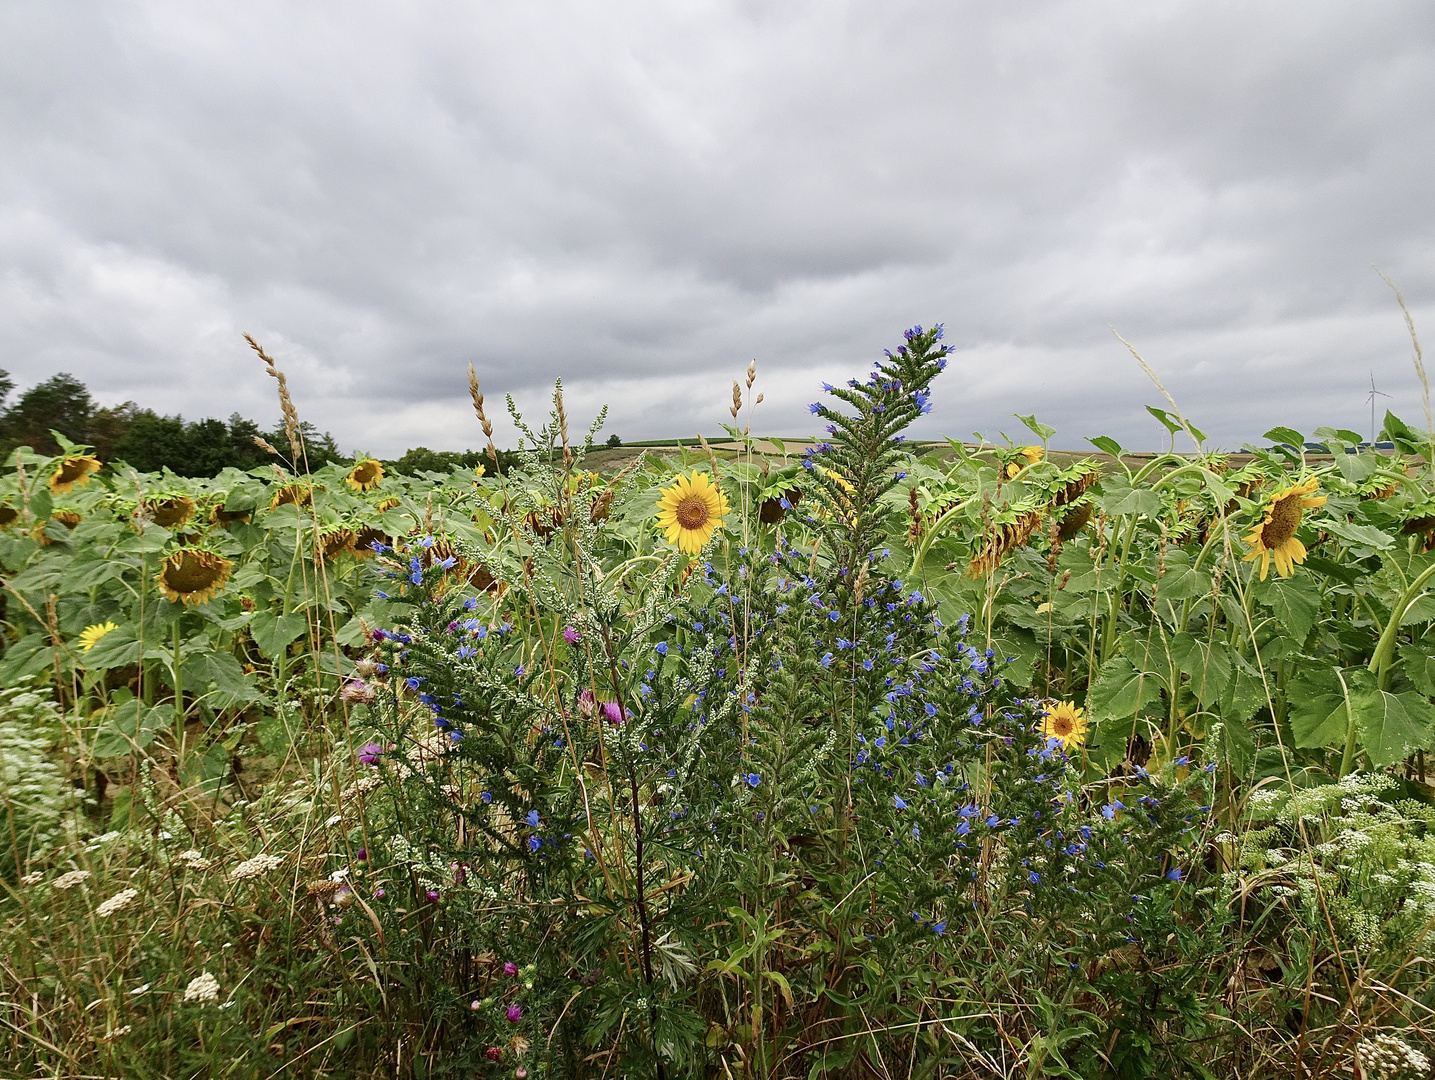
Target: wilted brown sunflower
[
  {"x": 296, "y": 494},
  {"x": 193, "y": 576},
  {"x": 1076, "y": 518},
  {"x": 73, "y": 470},
  {"x": 336, "y": 540},
  {"x": 68, "y": 518},
  {"x": 1000, "y": 539},
  {"x": 365, "y": 475},
  {"x": 367, "y": 537},
  {"x": 771, "y": 511},
  {"x": 222, "y": 517},
  {"x": 8, "y": 516},
  {"x": 172, "y": 512},
  {"x": 1073, "y": 483}
]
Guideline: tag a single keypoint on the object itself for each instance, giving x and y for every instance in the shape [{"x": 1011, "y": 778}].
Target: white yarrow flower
[
  {"x": 257, "y": 867},
  {"x": 118, "y": 902},
  {"x": 202, "y": 990},
  {"x": 70, "y": 880}
]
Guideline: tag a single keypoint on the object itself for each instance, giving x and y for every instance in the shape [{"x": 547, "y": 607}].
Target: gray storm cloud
[{"x": 641, "y": 199}]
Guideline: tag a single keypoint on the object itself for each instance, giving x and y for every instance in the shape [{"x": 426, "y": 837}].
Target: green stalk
[
  {"x": 1381, "y": 660},
  {"x": 176, "y": 671},
  {"x": 1347, "y": 756}
]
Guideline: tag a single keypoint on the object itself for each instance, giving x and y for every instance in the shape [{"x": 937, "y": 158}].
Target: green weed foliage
[{"x": 473, "y": 774}]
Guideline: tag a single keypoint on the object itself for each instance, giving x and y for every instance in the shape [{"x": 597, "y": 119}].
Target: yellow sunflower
[
  {"x": 1275, "y": 536},
  {"x": 90, "y": 635},
  {"x": 193, "y": 576},
  {"x": 73, "y": 470},
  {"x": 365, "y": 475},
  {"x": 1065, "y": 721},
  {"x": 1029, "y": 455},
  {"x": 691, "y": 511}
]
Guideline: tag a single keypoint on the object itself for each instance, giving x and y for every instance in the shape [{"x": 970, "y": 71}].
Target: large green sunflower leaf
[
  {"x": 1318, "y": 714},
  {"x": 1208, "y": 665},
  {"x": 1121, "y": 691},
  {"x": 118, "y": 648},
  {"x": 1419, "y": 663},
  {"x": 132, "y": 726},
  {"x": 1294, "y": 601},
  {"x": 275, "y": 633},
  {"x": 1390, "y": 725}
]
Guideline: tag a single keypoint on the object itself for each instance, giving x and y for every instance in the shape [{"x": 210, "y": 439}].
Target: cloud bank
[{"x": 641, "y": 199}]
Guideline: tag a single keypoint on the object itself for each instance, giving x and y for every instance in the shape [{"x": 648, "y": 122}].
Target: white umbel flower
[
  {"x": 121, "y": 900},
  {"x": 257, "y": 867},
  {"x": 202, "y": 990},
  {"x": 70, "y": 880}
]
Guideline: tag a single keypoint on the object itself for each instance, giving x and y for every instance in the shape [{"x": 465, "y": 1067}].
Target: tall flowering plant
[{"x": 765, "y": 810}]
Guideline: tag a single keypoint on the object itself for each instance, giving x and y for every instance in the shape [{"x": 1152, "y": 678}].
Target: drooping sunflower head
[
  {"x": 73, "y": 470},
  {"x": 193, "y": 576},
  {"x": 1066, "y": 721},
  {"x": 690, "y": 511},
  {"x": 90, "y": 635},
  {"x": 224, "y": 518},
  {"x": 365, "y": 475},
  {"x": 1274, "y": 538},
  {"x": 172, "y": 512},
  {"x": 366, "y": 538},
  {"x": 296, "y": 494},
  {"x": 1026, "y": 455},
  {"x": 68, "y": 518},
  {"x": 335, "y": 540}
]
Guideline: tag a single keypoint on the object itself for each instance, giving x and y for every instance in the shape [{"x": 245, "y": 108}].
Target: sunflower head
[
  {"x": 224, "y": 518},
  {"x": 366, "y": 538},
  {"x": 193, "y": 576},
  {"x": 295, "y": 494},
  {"x": 73, "y": 470},
  {"x": 365, "y": 475},
  {"x": 690, "y": 511},
  {"x": 172, "y": 512},
  {"x": 1026, "y": 455},
  {"x": 68, "y": 518},
  {"x": 335, "y": 540},
  {"x": 90, "y": 635},
  {"x": 1274, "y": 538},
  {"x": 1065, "y": 721}
]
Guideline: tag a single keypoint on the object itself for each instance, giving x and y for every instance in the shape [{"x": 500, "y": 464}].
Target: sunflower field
[{"x": 848, "y": 756}]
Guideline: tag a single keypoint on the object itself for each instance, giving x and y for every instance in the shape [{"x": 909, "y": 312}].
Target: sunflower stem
[
  {"x": 177, "y": 672},
  {"x": 1381, "y": 660}
]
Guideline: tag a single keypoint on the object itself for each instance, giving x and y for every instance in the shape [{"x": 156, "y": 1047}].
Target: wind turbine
[{"x": 1374, "y": 393}]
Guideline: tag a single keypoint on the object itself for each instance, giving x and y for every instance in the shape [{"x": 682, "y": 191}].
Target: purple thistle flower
[
  {"x": 571, "y": 635},
  {"x": 371, "y": 753},
  {"x": 515, "y": 1013}
]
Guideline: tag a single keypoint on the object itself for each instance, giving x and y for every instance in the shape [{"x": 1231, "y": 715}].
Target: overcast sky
[{"x": 642, "y": 197}]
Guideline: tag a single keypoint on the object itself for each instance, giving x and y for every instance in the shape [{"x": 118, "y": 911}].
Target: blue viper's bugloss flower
[
  {"x": 899, "y": 802},
  {"x": 661, "y": 648},
  {"x": 532, "y": 818},
  {"x": 752, "y": 779}
]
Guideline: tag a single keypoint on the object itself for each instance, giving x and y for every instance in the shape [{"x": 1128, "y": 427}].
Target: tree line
[{"x": 150, "y": 442}]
